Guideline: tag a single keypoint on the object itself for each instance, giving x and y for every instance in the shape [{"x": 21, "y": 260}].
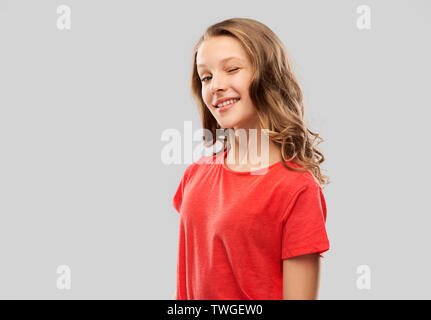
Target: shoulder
[
  {"x": 194, "y": 168},
  {"x": 300, "y": 175},
  {"x": 295, "y": 181}
]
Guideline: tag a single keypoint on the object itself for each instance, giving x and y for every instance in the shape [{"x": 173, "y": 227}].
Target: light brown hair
[{"x": 274, "y": 91}]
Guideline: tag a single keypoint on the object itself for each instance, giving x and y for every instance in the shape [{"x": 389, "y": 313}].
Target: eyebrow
[{"x": 224, "y": 60}]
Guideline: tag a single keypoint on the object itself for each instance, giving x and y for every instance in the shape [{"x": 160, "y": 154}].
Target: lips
[
  {"x": 219, "y": 101},
  {"x": 227, "y": 107},
  {"x": 235, "y": 100}
]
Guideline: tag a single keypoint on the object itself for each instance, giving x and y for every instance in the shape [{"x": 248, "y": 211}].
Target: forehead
[{"x": 219, "y": 50}]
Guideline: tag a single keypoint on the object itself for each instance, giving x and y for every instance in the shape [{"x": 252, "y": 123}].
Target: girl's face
[{"x": 225, "y": 72}]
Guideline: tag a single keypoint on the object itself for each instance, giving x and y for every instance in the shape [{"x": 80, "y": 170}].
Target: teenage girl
[{"x": 250, "y": 234}]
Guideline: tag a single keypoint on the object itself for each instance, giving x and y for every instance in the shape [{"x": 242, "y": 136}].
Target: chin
[{"x": 228, "y": 124}]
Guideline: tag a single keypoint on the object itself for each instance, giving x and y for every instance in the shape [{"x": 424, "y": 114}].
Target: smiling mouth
[{"x": 220, "y": 107}]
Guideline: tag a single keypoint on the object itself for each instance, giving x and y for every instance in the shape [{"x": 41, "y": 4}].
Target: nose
[{"x": 217, "y": 83}]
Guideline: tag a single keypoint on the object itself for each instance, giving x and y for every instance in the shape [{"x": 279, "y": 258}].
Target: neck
[{"x": 251, "y": 147}]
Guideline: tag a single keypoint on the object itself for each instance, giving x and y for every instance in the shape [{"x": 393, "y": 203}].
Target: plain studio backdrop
[{"x": 85, "y": 198}]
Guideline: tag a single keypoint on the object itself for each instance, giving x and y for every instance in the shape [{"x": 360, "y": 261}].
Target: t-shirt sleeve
[
  {"x": 178, "y": 197},
  {"x": 303, "y": 223}
]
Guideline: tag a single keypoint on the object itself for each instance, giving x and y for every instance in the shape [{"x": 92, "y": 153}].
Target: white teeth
[{"x": 227, "y": 102}]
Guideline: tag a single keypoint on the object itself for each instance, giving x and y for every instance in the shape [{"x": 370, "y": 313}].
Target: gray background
[{"x": 82, "y": 111}]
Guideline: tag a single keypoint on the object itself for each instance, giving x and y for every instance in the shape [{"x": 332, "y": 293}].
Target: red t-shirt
[{"x": 236, "y": 228}]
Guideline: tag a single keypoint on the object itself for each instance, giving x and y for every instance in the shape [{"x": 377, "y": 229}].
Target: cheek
[
  {"x": 242, "y": 86},
  {"x": 205, "y": 96}
]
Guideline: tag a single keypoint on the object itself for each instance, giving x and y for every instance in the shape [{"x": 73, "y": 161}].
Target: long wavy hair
[{"x": 274, "y": 91}]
